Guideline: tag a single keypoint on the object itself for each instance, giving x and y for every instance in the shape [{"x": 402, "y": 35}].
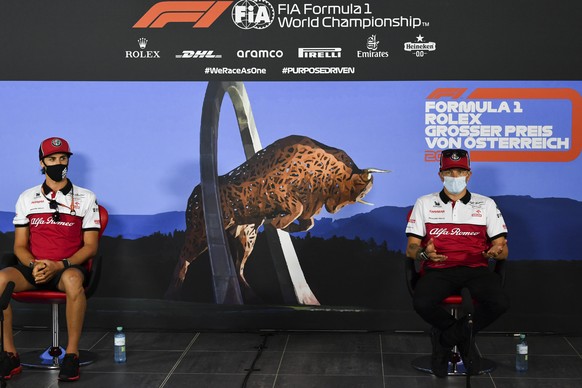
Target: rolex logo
[
  {"x": 143, "y": 54},
  {"x": 143, "y": 42}
]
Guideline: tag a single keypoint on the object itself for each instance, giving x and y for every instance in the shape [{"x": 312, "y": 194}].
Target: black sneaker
[
  {"x": 470, "y": 357},
  {"x": 439, "y": 361},
  {"x": 69, "y": 368},
  {"x": 10, "y": 365}
]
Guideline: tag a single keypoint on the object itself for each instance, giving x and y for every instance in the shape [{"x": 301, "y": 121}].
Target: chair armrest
[
  {"x": 8, "y": 259},
  {"x": 94, "y": 276},
  {"x": 499, "y": 269},
  {"x": 411, "y": 274}
]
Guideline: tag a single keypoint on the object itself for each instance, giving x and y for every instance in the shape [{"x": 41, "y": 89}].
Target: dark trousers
[{"x": 436, "y": 284}]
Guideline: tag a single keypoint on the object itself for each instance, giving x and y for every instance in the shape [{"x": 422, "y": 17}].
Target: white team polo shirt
[
  {"x": 461, "y": 230},
  {"x": 57, "y": 240}
]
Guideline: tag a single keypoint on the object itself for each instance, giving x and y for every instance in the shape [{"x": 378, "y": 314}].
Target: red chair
[
  {"x": 454, "y": 304},
  {"x": 49, "y": 358}
]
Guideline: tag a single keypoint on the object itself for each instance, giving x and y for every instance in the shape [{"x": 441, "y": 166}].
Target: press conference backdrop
[{"x": 390, "y": 83}]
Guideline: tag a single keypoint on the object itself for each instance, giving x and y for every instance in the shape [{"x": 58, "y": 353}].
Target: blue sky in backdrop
[{"x": 136, "y": 144}]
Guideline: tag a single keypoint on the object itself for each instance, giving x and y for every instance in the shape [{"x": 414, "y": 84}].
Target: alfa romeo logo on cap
[
  {"x": 56, "y": 142},
  {"x": 455, "y": 156}
]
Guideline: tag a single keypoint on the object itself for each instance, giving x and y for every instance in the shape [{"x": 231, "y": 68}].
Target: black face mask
[{"x": 57, "y": 172}]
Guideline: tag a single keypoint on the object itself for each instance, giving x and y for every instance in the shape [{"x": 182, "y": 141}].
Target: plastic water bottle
[
  {"x": 521, "y": 354},
  {"x": 119, "y": 345}
]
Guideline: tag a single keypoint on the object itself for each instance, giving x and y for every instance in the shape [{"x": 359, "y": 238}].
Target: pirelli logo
[
  {"x": 319, "y": 52},
  {"x": 201, "y": 13}
]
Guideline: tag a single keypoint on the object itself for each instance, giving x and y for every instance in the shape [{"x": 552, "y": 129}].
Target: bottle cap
[{"x": 119, "y": 328}]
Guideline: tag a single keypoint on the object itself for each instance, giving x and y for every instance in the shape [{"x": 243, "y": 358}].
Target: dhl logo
[{"x": 201, "y": 13}]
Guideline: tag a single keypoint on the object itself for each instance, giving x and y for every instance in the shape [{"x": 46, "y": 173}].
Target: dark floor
[{"x": 299, "y": 359}]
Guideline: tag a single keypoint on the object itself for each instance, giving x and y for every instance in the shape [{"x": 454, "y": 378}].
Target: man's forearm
[
  {"x": 82, "y": 255},
  {"x": 24, "y": 256},
  {"x": 416, "y": 252}
]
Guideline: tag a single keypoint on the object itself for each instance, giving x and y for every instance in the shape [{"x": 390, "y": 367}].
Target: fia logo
[{"x": 253, "y": 14}]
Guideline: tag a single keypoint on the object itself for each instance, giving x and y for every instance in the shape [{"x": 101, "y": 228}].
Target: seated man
[
  {"x": 56, "y": 231},
  {"x": 454, "y": 233}
]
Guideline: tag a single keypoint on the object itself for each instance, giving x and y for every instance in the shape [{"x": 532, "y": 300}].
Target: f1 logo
[{"x": 201, "y": 13}]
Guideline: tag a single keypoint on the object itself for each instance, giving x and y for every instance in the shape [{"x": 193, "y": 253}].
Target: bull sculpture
[{"x": 286, "y": 183}]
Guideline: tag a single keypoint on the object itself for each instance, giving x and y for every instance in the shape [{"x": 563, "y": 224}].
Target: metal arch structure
[{"x": 293, "y": 285}]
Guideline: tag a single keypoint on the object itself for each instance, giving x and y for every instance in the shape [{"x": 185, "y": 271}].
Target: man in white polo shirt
[
  {"x": 454, "y": 233},
  {"x": 56, "y": 231}
]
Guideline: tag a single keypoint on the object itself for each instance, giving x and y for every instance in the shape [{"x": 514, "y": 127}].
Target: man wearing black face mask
[
  {"x": 453, "y": 233},
  {"x": 56, "y": 231}
]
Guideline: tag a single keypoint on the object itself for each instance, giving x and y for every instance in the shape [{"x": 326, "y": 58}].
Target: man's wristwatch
[
  {"x": 421, "y": 255},
  {"x": 31, "y": 263},
  {"x": 66, "y": 263}
]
